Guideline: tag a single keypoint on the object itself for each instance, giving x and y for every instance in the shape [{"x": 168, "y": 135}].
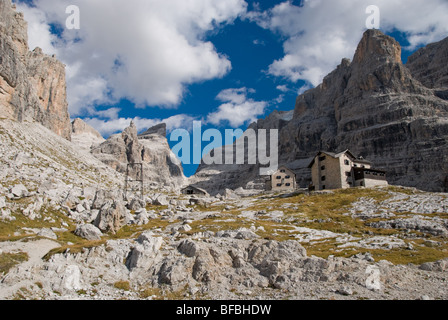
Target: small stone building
[
  {"x": 343, "y": 170},
  {"x": 283, "y": 179},
  {"x": 191, "y": 190}
]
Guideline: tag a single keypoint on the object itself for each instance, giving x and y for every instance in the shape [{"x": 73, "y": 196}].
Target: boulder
[
  {"x": 2, "y": 202},
  {"x": 88, "y": 232},
  {"x": 19, "y": 191},
  {"x": 143, "y": 254},
  {"x": 188, "y": 248},
  {"x": 112, "y": 216},
  {"x": 47, "y": 233},
  {"x": 161, "y": 201},
  {"x": 102, "y": 195},
  {"x": 136, "y": 204},
  {"x": 438, "y": 266},
  {"x": 141, "y": 217},
  {"x": 71, "y": 279}
]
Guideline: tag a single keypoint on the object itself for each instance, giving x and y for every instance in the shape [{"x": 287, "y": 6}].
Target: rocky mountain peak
[
  {"x": 84, "y": 136},
  {"x": 80, "y": 127},
  {"x": 160, "y": 165},
  {"x": 159, "y": 129},
  {"x": 377, "y": 47},
  {"x": 429, "y": 65}
]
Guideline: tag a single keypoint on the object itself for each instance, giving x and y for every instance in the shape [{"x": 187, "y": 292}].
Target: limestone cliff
[
  {"x": 375, "y": 107},
  {"x": 429, "y": 65},
  {"x": 32, "y": 84}
]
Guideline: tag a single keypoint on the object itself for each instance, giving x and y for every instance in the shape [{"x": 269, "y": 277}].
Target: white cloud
[
  {"x": 283, "y": 88},
  {"x": 237, "y": 108},
  {"x": 147, "y": 51},
  {"x": 320, "y": 33}
]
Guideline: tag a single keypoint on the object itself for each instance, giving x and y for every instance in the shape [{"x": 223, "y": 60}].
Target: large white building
[{"x": 343, "y": 170}]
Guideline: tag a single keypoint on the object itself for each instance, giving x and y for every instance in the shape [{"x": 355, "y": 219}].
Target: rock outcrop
[
  {"x": 32, "y": 84},
  {"x": 161, "y": 168},
  {"x": 373, "y": 106},
  {"x": 429, "y": 65},
  {"x": 84, "y": 136}
]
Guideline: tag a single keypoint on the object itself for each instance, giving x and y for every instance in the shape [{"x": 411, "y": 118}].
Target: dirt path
[{"x": 36, "y": 250}]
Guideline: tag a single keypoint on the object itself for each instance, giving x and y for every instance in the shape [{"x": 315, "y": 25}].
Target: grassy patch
[
  {"x": 167, "y": 294},
  {"x": 9, "y": 260},
  {"x": 9, "y": 228},
  {"x": 122, "y": 285},
  {"x": 76, "y": 248},
  {"x": 421, "y": 254}
]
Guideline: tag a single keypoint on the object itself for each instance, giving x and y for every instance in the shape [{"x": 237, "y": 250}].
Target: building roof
[
  {"x": 338, "y": 155},
  {"x": 196, "y": 188},
  {"x": 282, "y": 168},
  {"x": 370, "y": 170}
]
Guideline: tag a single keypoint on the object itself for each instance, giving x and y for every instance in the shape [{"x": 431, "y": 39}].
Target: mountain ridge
[{"x": 373, "y": 106}]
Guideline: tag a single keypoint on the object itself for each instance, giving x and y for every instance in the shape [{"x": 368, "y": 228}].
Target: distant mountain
[
  {"x": 392, "y": 114},
  {"x": 161, "y": 168}
]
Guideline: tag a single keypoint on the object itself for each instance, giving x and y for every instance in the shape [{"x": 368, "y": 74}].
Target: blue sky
[{"x": 224, "y": 62}]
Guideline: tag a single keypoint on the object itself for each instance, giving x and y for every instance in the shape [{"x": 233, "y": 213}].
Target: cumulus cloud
[
  {"x": 238, "y": 109},
  {"x": 319, "y": 33},
  {"x": 147, "y": 51}
]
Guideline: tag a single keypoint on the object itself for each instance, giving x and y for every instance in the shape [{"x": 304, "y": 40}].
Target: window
[
  {"x": 322, "y": 168},
  {"x": 288, "y": 184},
  {"x": 324, "y": 187},
  {"x": 282, "y": 171},
  {"x": 347, "y": 163},
  {"x": 348, "y": 174},
  {"x": 279, "y": 177},
  {"x": 288, "y": 177},
  {"x": 322, "y": 158},
  {"x": 323, "y": 178},
  {"x": 279, "y": 184}
]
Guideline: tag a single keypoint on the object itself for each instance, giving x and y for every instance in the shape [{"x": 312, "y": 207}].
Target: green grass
[
  {"x": 10, "y": 260},
  {"x": 9, "y": 228},
  {"x": 122, "y": 285}
]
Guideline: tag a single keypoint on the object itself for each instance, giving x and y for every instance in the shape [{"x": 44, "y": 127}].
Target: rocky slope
[
  {"x": 376, "y": 107},
  {"x": 161, "y": 168},
  {"x": 32, "y": 84},
  {"x": 266, "y": 247}
]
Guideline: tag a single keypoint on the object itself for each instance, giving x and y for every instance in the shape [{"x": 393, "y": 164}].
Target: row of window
[
  {"x": 287, "y": 177},
  {"x": 279, "y": 184},
  {"x": 375, "y": 173},
  {"x": 346, "y": 162}
]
